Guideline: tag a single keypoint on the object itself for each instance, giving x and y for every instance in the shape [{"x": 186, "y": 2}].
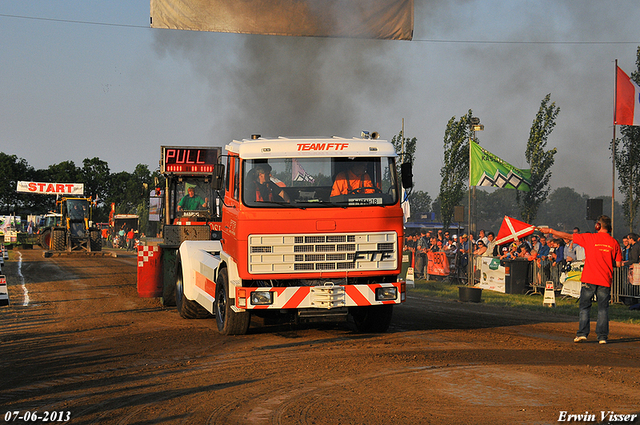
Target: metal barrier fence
[
  {"x": 620, "y": 289},
  {"x": 539, "y": 275}
]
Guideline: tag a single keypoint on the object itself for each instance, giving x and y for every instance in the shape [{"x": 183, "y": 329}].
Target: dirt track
[{"x": 86, "y": 344}]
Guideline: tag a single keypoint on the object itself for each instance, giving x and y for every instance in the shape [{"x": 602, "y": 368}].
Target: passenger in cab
[{"x": 265, "y": 188}]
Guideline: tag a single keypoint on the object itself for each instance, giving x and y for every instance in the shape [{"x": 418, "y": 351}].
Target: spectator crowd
[{"x": 546, "y": 252}]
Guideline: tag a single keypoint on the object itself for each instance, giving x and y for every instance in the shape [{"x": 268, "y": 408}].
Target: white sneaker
[
  {"x": 580, "y": 339},
  {"x": 602, "y": 341}
]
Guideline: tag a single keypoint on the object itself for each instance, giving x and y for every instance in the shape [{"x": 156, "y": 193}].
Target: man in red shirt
[
  {"x": 602, "y": 253},
  {"x": 130, "y": 240}
]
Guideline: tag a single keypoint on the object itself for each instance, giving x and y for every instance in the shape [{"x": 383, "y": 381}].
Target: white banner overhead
[
  {"x": 383, "y": 19},
  {"x": 51, "y": 188}
]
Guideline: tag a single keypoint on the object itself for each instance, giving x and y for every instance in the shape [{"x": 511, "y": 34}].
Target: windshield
[
  {"x": 77, "y": 209},
  {"x": 192, "y": 197},
  {"x": 319, "y": 182}
]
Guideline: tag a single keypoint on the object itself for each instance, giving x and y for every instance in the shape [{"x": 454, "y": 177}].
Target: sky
[{"x": 85, "y": 79}]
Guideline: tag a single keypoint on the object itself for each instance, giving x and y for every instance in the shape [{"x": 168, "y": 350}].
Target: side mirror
[
  {"x": 407, "y": 175},
  {"x": 217, "y": 182}
]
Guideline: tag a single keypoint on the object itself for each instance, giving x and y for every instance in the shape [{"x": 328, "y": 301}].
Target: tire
[
  {"x": 58, "y": 239},
  {"x": 229, "y": 322},
  {"x": 372, "y": 319},
  {"x": 187, "y": 308},
  {"x": 96, "y": 240},
  {"x": 45, "y": 239}
]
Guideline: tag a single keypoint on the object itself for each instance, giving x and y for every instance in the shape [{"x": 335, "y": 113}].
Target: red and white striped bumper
[{"x": 322, "y": 297}]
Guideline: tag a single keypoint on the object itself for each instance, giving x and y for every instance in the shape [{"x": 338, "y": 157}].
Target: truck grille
[{"x": 323, "y": 253}]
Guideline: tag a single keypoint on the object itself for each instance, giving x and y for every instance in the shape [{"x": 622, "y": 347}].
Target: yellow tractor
[{"x": 75, "y": 232}]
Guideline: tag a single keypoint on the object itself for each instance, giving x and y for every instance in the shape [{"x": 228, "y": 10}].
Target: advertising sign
[
  {"x": 492, "y": 275},
  {"x": 438, "y": 264}
]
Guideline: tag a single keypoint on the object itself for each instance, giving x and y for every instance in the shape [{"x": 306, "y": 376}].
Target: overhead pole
[{"x": 613, "y": 148}]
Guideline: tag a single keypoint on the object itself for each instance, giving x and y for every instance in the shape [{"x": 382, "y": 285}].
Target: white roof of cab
[{"x": 284, "y": 147}]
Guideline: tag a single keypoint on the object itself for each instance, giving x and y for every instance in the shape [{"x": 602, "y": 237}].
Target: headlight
[
  {"x": 261, "y": 298},
  {"x": 386, "y": 293}
]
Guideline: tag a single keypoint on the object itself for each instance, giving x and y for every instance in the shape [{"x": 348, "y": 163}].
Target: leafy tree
[
  {"x": 420, "y": 203},
  {"x": 627, "y": 161},
  {"x": 12, "y": 170},
  {"x": 455, "y": 169},
  {"x": 126, "y": 189},
  {"x": 95, "y": 175},
  {"x": 492, "y": 205},
  {"x": 540, "y": 160},
  {"x": 64, "y": 172},
  {"x": 406, "y": 150}
]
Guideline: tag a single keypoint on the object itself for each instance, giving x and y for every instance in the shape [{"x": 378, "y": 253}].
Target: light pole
[{"x": 474, "y": 124}]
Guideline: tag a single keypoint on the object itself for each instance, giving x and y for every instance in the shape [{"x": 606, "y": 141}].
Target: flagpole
[
  {"x": 469, "y": 250},
  {"x": 613, "y": 149}
]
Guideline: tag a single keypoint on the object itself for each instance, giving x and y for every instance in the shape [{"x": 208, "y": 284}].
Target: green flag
[{"x": 489, "y": 170}]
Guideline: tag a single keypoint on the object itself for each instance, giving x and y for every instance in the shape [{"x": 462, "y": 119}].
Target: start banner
[{"x": 51, "y": 188}]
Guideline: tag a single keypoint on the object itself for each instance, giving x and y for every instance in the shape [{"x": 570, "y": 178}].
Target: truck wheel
[
  {"x": 96, "y": 240},
  {"x": 45, "y": 239},
  {"x": 58, "y": 239},
  {"x": 229, "y": 322},
  {"x": 372, "y": 319},
  {"x": 187, "y": 308}
]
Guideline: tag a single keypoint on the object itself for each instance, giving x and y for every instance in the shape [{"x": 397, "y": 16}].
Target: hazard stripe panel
[{"x": 327, "y": 297}]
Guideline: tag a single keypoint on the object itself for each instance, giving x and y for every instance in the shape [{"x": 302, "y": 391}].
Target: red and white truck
[{"x": 297, "y": 238}]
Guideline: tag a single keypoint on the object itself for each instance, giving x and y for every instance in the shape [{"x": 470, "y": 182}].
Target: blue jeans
[{"x": 603, "y": 297}]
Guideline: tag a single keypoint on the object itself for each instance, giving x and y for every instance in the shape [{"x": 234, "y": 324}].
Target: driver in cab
[
  {"x": 354, "y": 180},
  {"x": 191, "y": 201}
]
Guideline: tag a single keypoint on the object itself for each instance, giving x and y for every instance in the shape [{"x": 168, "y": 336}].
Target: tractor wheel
[
  {"x": 187, "y": 308},
  {"x": 229, "y": 322},
  {"x": 58, "y": 239},
  {"x": 45, "y": 239},
  {"x": 372, "y": 319},
  {"x": 96, "y": 240}
]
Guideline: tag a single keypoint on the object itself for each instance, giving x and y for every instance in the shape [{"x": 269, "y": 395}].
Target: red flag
[
  {"x": 627, "y": 100},
  {"x": 512, "y": 230}
]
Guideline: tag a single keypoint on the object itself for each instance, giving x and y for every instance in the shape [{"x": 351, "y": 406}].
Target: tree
[
  {"x": 405, "y": 148},
  {"x": 64, "y": 172},
  {"x": 492, "y": 205},
  {"x": 95, "y": 174},
  {"x": 455, "y": 169},
  {"x": 96, "y": 177},
  {"x": 540, "y": 160},
  {"x": 627, "y": 161},
  {"x": 420, "y": 203},
  {"x": 12, "y": 170}
]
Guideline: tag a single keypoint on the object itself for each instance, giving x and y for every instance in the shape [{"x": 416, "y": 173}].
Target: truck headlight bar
[
  {"x": 387, "y": 293},
  {"x": 261, "y": 298}
]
